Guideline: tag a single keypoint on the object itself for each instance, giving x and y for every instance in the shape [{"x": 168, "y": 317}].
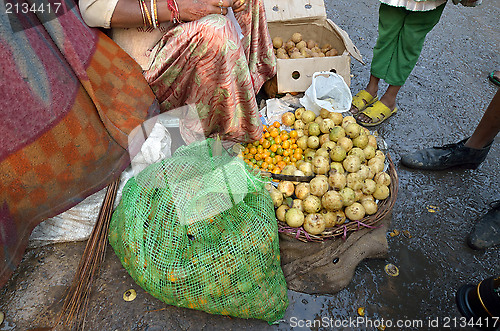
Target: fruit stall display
[{"x": 340, "y": 179}]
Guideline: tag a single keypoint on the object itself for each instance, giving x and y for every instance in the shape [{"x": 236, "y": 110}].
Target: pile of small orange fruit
[{"x": 274, "y": 151}]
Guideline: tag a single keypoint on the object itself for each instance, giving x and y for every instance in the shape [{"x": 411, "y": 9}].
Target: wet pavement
[{"x": 442, "y": 102}]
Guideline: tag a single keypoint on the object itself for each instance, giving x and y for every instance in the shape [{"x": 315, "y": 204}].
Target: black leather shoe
[
  {"x": 447, "y": 156},
  {"x": 486, "y": 232}
]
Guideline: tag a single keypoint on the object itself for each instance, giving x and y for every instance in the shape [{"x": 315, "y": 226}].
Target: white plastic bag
[
  {"x": 328, "y": 90},
  {"x": 156, "y": 147},
  {"x": 275, "y": 108}
]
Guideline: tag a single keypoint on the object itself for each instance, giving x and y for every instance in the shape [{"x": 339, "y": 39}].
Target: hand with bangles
[
  {"x": 191, "y": 53},
  {"x": 192, "y": 10},
  {"x": 135, "y": 13}
]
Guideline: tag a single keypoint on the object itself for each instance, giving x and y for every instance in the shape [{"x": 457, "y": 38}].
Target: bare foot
[{"x": 354, "y": 110}]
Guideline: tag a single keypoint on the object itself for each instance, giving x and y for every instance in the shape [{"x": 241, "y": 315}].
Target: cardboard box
[{"x": 286, "y": 17}]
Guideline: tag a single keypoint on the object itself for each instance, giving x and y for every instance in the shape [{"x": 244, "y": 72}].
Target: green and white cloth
[
  {"x": 415, "y": 5},
  {"x": 426, "y": 5}
]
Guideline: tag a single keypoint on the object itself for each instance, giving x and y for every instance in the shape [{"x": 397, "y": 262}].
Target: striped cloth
[{"x": 205, "y": 63}]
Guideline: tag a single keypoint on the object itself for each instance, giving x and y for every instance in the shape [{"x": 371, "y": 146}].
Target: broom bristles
[{"x": 76, "y": 302}]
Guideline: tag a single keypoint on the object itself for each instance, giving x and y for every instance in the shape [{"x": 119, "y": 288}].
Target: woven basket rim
[{"x": 370, "y": 221}]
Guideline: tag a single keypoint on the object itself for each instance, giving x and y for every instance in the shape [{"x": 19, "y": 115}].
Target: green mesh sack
[{"x": 198, "y": 230}]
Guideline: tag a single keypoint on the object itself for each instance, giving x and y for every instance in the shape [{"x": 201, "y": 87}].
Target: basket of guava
[{"x": 331, "y": 175}]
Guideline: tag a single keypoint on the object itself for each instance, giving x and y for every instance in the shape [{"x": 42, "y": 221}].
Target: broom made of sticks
[{"x": 74, "y": 310}]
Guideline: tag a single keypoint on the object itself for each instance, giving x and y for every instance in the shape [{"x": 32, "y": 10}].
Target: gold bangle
[
  {"x": 146, "y": 10},
  {"x": 142, "y": 13}
]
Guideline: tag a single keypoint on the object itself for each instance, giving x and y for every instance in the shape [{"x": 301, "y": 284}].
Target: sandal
[
  {"x": 493, "y": 79},
  {"x": 377, "y": 112},
  {"x": 362, "y": 100}
]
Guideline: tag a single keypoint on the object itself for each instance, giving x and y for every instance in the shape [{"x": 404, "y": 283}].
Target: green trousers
[{"x": 401, "y": 35}]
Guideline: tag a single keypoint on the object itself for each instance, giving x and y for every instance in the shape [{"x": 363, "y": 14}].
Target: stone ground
[{"x": 441, "y": 102}]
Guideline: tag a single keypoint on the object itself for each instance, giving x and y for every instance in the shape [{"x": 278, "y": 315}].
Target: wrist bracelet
[
  {"x": 154, "y": 13},
  {"x": 174, "y": 9},
  {"x": 145, "y": 13},
  {"x": 142, "y": 14}
]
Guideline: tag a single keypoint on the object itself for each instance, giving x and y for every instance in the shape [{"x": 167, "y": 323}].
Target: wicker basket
[{"x": 384, "y": 207}]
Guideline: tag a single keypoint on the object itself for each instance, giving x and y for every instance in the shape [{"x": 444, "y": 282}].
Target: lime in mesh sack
[{"x": 198, "y": 230}]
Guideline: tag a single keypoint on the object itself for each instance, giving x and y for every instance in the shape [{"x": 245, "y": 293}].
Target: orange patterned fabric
[
  {"x": 70, "y": 97},
  {"x": 204, "y": 63}
]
